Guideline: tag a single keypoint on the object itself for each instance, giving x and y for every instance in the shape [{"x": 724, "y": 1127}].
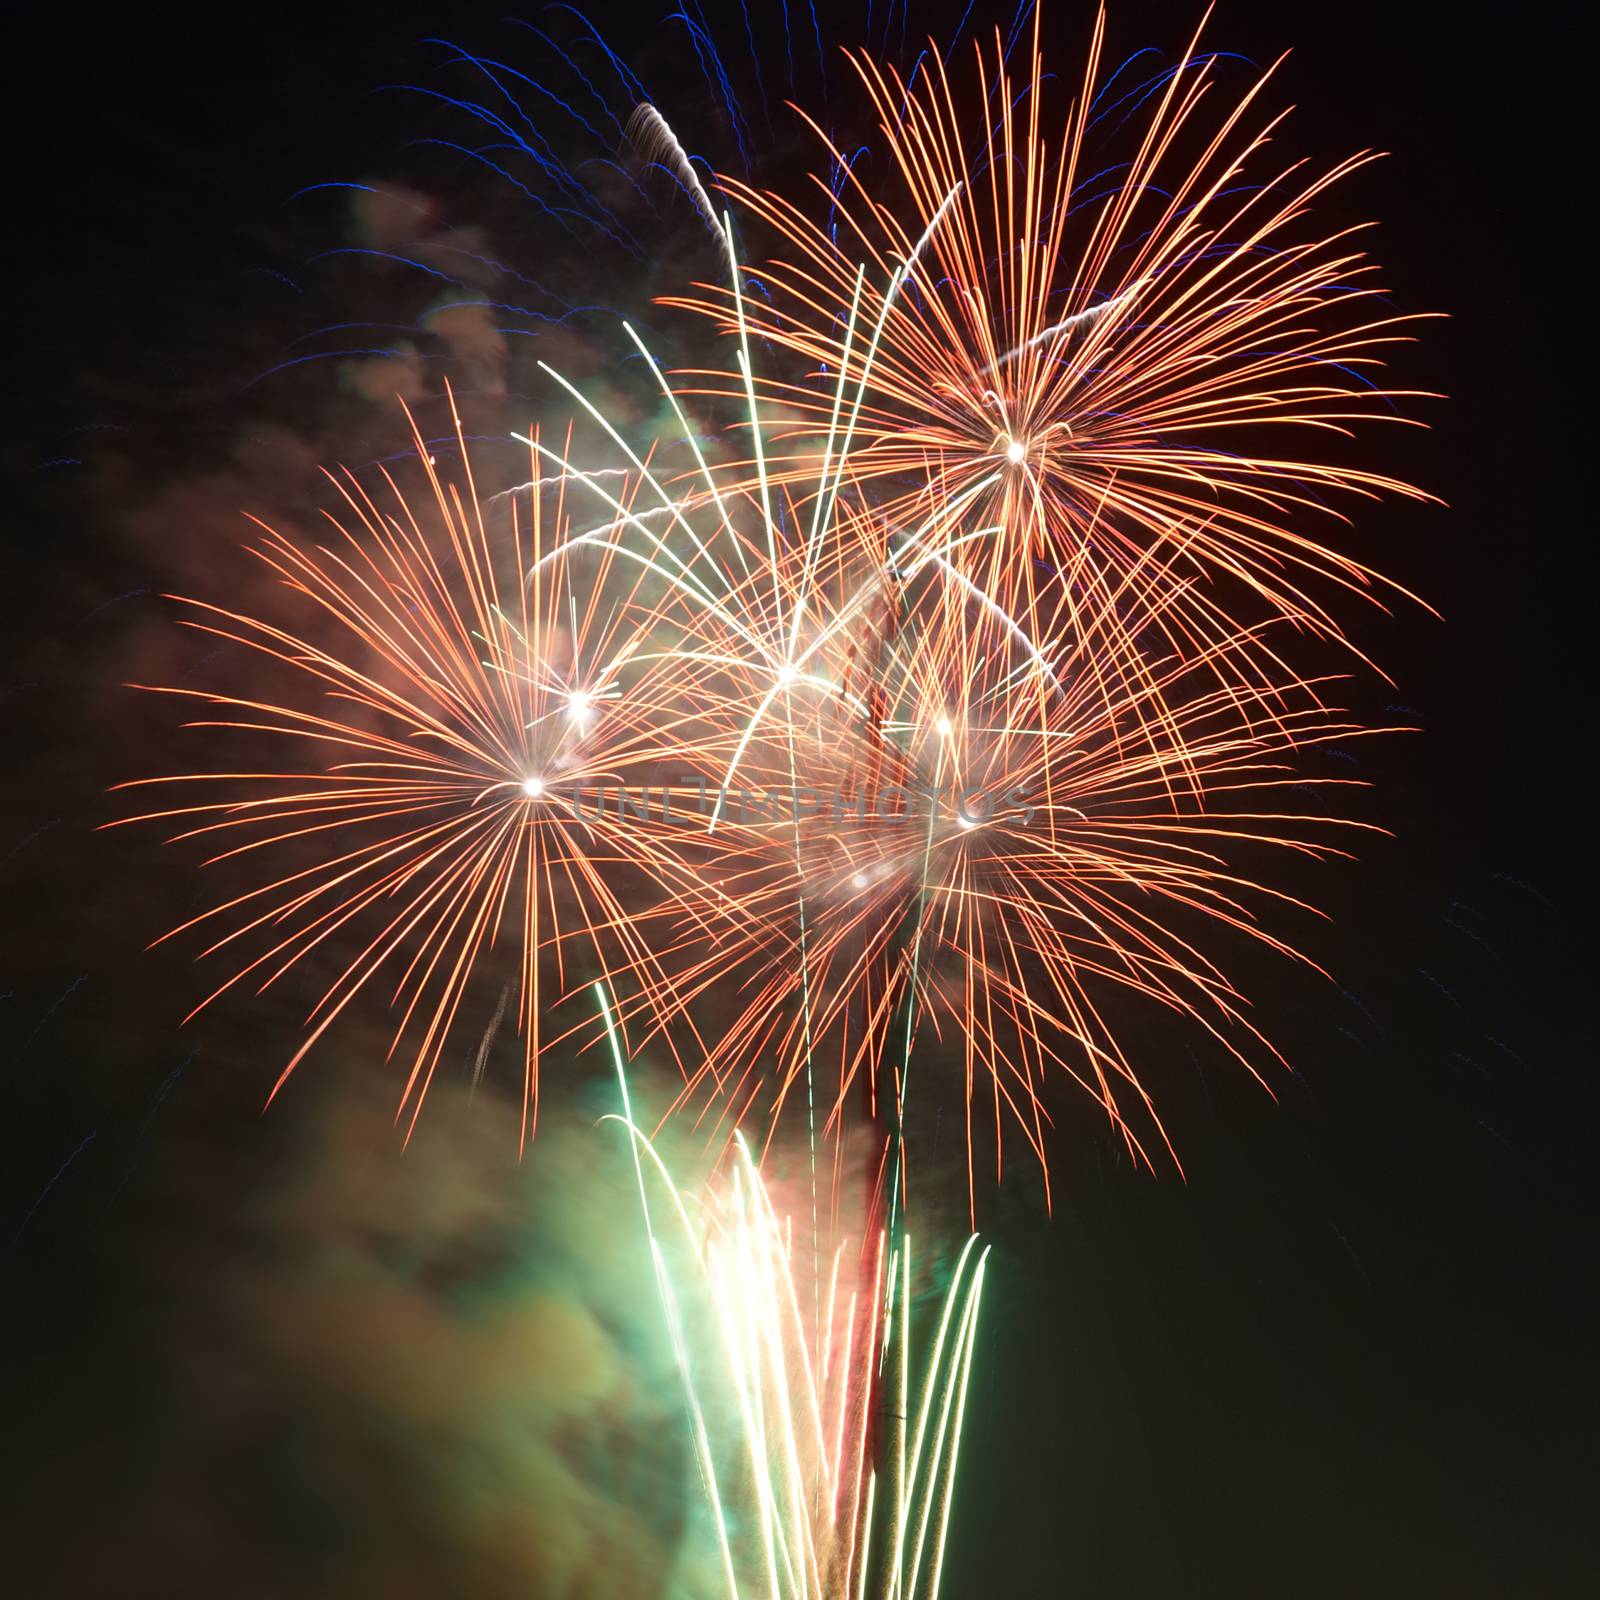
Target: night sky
[{"x": 1351, "y": 1353}]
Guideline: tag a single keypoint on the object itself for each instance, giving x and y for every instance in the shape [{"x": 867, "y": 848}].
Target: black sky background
[{"x": 1352, "y": 1354}]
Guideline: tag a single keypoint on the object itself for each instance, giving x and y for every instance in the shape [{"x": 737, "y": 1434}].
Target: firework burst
[
  {"x": 991, "y": 559},
  {"x": 1131, "y": 362},
  {"x": 997, "y": 857},
  {"x": 976, "y": 627},
  {"x": 939, "y": 818},
  {"x": 449, "y": 695}
]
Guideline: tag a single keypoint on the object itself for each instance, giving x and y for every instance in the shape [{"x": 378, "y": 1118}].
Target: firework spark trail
[
  {"x": 44, "y": 1193},
  {"x": 779, "y": 1421},
  {"x": 1078, "y": 319},
  {"x": 651, "y": 135}
]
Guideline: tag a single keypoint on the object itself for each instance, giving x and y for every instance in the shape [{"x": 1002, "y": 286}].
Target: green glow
[{"x": 793, "y": 1518}]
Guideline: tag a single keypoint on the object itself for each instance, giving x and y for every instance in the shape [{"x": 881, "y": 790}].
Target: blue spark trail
[{"x": 44, "y": 1192}]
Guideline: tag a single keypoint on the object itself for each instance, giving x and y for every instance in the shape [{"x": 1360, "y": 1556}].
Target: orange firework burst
[
  {"x": 1117, "y": 354},
  {"x": 990, "y": 850},
  {"x": 420, "y": 787}
]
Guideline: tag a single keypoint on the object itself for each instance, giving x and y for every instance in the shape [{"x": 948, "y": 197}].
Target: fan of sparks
[
  {"x": 1121, "y": 337},
  {"x": 828, "y": 1469},
  {"x": 454, "y": 674}
]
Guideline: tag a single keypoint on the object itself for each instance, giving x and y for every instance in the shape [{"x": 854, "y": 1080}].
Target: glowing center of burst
[
  {"x": 1016, "y": 452},
  {"x": 533, "y": 787},
  {"x": 787, "y": 675},
  {"x": 943, "y": 725},
  {"x": 578, "y": 705}
]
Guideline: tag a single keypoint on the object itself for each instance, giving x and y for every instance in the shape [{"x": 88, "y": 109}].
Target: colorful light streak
[{"x": 782, "y": 1406}]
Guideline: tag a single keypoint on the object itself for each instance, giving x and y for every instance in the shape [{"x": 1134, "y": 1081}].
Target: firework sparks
[
  {"x": 1094, "y": 806},
  {"x": 978, "y": 622},
  {"x": 1108, "y": 352},
  {"x": 453, "y": 714},
  {"x": 652, "y": 136},
  {"x": 991, "y": 857},
  {"x": 997, "y": 565},
  {"x": 782, "y": 1405}
]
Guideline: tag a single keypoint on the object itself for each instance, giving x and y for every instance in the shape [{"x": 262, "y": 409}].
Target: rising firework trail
[{"x": 782, "y": 1404}]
